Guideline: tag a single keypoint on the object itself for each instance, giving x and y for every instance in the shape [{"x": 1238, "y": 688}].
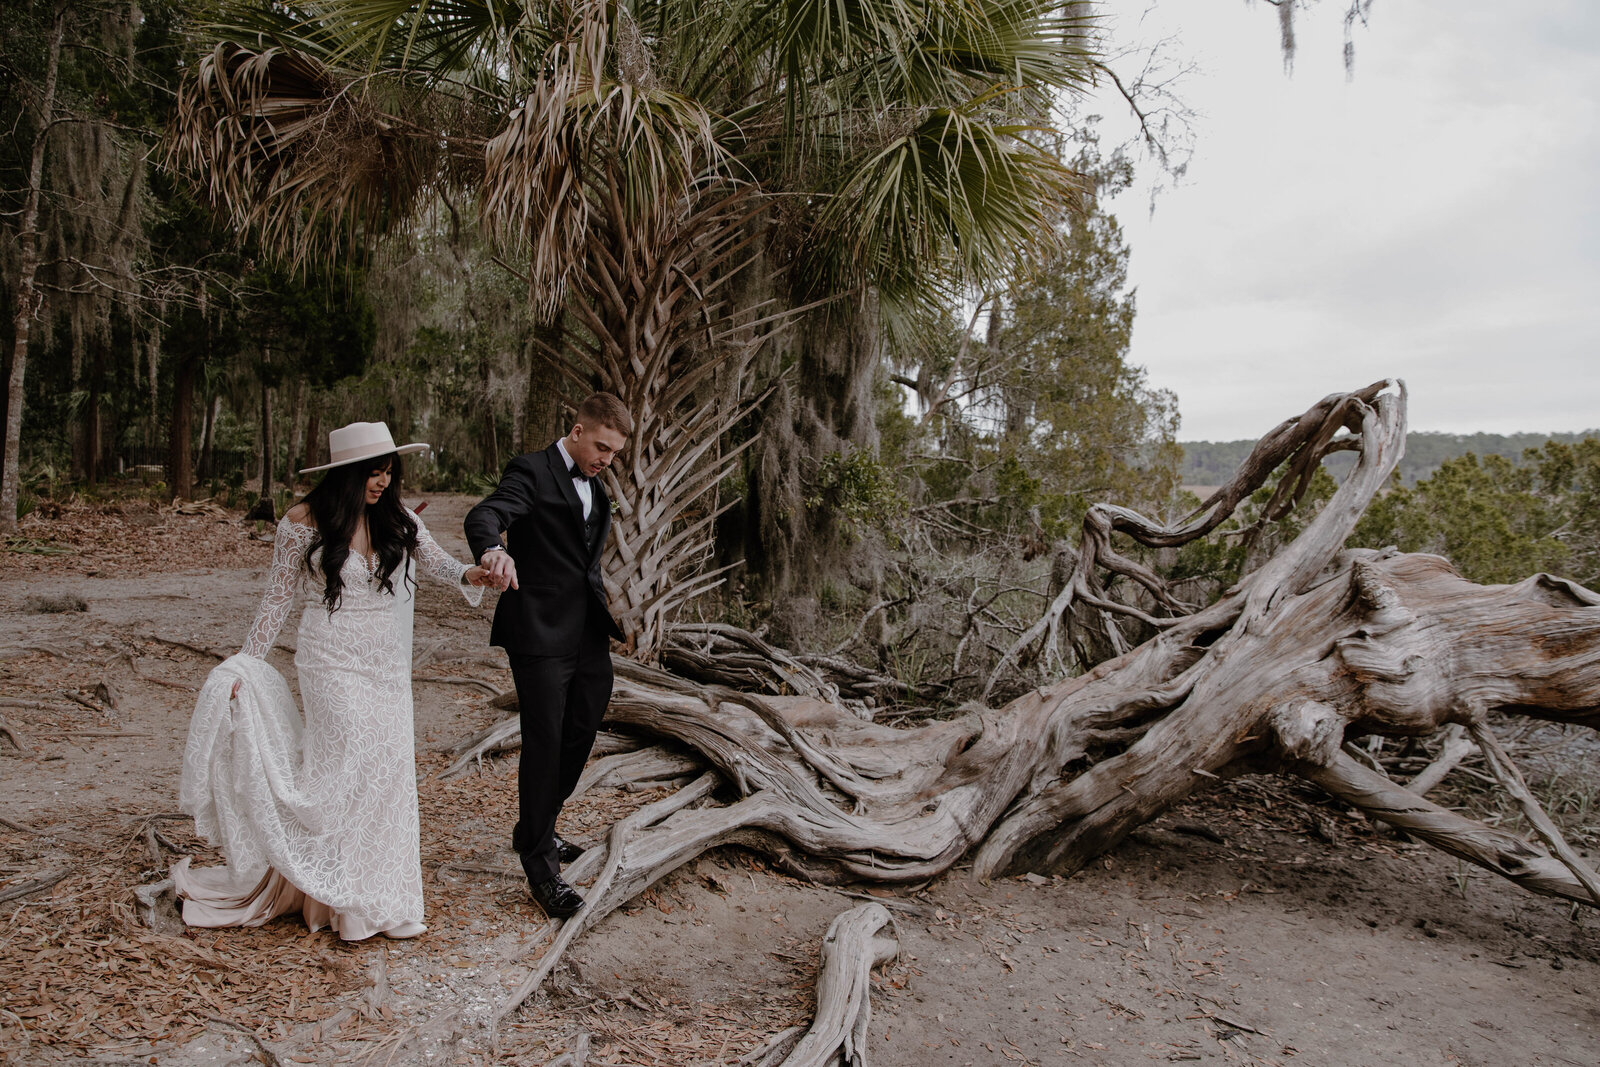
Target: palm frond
[
  {"x": 1032, "y": 45},
  {"x": 294, "y": 151},
  {"x": 957, "y": 191},
  {"x": 584, "y": 141},
  {"x": 439, "y": 38}
]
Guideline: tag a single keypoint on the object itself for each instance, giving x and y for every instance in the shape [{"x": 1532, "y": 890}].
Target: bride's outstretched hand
[{"x": 478, "y": 576}]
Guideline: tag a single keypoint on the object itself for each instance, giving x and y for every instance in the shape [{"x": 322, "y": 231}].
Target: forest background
[{"x": 881, "y": 460}]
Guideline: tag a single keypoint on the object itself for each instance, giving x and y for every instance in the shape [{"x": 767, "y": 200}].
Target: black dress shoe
[
  {"x": 566, "y": 851},
  {"x": 556, "y": 897}
]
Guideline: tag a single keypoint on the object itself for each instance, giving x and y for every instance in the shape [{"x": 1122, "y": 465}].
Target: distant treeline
[{"x": 1212, "y": 462}]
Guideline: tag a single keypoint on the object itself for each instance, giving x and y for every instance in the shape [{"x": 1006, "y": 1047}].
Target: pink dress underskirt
[{"x": 212, "y": 898}]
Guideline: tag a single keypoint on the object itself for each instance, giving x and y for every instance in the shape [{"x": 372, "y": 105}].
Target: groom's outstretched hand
[{"x": 502, "y": 569}]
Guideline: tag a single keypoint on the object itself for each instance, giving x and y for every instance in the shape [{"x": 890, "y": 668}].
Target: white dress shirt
[{"x": 585, "y": 490}]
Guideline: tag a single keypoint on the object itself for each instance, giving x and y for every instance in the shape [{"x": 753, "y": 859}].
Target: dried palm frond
[
  {"x": 311, "y": 159},
  {"x": 584, "y": 142}
]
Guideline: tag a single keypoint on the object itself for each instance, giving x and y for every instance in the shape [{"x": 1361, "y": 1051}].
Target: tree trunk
[
  {"x": 642, "y": 302},
  {"x": 489, "y": 437},
  {"x": 541, "y": 411},
  {"x": 313, "y": 451},
  {"x": 5, "y": 395},
  {"x": 28, "y": 300},
  {"x": 180, "y": 438},
  {"x": 92, "y": 422},
  {"x": 297, "y": 435},
  {"x": 825, "y": 407},
  {"x": 208, "y": 459},
  {"x": 267, "y": 443},
  {"x": 519, "y": 415}
]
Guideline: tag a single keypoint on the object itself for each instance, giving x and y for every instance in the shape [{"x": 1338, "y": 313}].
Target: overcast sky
[{"x": 1433, "y": 219}]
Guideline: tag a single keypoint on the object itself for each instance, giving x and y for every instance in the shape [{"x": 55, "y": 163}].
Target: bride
[{"x": 320, "y": 816}]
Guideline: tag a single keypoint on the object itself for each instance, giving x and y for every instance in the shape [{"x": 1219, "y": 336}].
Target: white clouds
[{"x": 1432, "y": 219}]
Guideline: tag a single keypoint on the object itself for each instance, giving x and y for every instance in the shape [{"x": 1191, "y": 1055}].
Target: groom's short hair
[{"x": 603, "y": 409}]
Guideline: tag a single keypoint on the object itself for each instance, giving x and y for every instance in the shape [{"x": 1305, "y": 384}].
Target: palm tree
[{"x": 679, "y": 178}]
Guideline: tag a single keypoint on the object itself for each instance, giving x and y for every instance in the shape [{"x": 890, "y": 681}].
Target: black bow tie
[{"x": 577, "y": 475}]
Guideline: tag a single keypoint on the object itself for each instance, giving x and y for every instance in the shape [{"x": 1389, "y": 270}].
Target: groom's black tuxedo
[
  {"x": 555, "y": 627},
  {"x": 557, "y": 555}
]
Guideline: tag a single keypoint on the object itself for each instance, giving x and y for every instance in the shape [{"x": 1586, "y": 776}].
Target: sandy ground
[{"x": 1294, "y": 933}]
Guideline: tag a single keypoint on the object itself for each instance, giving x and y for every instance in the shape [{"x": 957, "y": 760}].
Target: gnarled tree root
[{"x": 851, "y": 948}]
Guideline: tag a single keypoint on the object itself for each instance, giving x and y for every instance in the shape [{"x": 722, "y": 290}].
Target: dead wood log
[
  {"x": 639, "y": 767},
  {"x": 773, "y": 1049},
  {"x": 500, "y": 737},
  {"x": 158, "y": 907},
  {"x": 1300, "y": 442},
  {"x": 1316, "y": 645},
  {"x": 719, "y": 654},
  {"x": 728, "y": 655},
  {"x": 851, "y": 948},
  {"x": 1489, "y": 847}
]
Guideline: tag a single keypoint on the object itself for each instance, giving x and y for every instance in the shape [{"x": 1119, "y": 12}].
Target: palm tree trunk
[{"x": 28, "y": 300}]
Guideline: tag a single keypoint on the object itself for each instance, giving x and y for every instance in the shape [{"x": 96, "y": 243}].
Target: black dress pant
[{"x": 562, "y": 700}]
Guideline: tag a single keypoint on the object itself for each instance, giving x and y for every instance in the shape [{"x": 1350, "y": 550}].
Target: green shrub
[{"x": 858, "y": 487}]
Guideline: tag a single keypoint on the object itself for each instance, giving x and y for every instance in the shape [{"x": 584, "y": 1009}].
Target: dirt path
[{"x": 1272, "y": 945}]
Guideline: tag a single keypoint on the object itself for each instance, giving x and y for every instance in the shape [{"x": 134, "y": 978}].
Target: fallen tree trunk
[
  {"x": 1317, "y": 647},
  {"x": 904, "y": 805}
]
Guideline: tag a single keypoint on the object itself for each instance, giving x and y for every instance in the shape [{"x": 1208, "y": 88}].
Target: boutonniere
[{"x": 616, "y": 506}]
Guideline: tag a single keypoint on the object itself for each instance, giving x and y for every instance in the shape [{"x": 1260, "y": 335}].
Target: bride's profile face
[{"x": 377, "y": 482}]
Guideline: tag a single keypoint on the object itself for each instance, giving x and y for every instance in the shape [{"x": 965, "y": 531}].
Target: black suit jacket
[{"x": 559, "y": 584}]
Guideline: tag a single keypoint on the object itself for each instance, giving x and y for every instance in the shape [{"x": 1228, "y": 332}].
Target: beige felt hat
[{"x": 362, "y": 440}]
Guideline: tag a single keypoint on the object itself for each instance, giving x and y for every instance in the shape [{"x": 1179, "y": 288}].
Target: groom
[{"x": 553, "y": 622}]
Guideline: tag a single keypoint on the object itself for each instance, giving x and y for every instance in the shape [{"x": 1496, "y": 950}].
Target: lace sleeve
[
  {"x": 435, "y": 561},
  {"x": 283, "y": 583}
]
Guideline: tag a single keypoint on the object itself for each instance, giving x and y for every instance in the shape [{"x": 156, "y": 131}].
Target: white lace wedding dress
[{"x": 318, "y": 816}]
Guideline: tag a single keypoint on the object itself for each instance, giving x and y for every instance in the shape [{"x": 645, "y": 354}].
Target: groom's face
[{"x": 593, "y": 447}]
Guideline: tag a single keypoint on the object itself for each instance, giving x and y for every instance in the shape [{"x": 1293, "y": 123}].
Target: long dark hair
[{"x": 337, "y": 504}]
